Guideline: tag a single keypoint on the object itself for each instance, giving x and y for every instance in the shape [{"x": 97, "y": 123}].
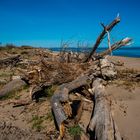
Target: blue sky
[{"x": 45, "y": 22}]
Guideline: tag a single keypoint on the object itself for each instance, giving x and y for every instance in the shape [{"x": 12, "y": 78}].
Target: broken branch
[
  {"x": 101, "y": 36},
  {"x": 116, "y": 45}
]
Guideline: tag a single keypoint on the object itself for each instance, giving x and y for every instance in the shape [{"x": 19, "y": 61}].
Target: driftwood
[
  {"x": 12, "y": 86},
  {"x": 102, "y": 122},
  {"x": 116, "y": 46},
  {"x": 10, "y": 61},
  {"x": 101, "y": 36},
  {"x": 51, "y": 73},
  {"x": 61, "y": 95}
]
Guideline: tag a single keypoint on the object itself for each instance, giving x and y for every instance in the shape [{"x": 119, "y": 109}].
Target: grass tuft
[
  {"x": 49, "y": 116},
  {"x": 37, "y": 123},
  {"x": 50, "y": 90},
  {"x": 75, "y": 130}
]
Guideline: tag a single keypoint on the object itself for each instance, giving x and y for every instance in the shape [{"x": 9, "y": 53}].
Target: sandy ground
[
  {"x": 127, "y": 103},
  {"x": 130, "y": 63}
]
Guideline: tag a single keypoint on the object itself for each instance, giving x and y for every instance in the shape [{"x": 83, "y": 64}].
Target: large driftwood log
[
  {"x": 61, "y": 96},
  {"x": 12, "y": 86},
  {"x": 101, "y": 36},
  {"x": 102, "y": 122},
  {"x": 116, "y": 45},
  {"x": 10, "y": 61}
]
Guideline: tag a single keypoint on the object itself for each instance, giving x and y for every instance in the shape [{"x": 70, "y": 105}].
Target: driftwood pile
[
  {"x": 10, "y": 61},
  {"x": 80, "y": 80}
]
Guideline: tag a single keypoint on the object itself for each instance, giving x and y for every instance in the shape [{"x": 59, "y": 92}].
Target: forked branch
[{"x": 101, "y": 36}]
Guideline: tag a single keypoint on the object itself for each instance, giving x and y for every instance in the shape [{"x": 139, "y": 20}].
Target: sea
[{"x": 124, "y": 51}]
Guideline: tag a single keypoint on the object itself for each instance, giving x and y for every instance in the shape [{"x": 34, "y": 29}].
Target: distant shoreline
[
  {"x": 124, "y": 51},
  {"x": 131, "y": 51}
]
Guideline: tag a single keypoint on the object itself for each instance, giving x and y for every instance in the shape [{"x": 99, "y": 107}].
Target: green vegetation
[
  {"x": 24, "y": 52},
  {"x": 50, "y": 90},
  {"x": 26, "y": 47},
  {"x": 37, "y": 122},
  {"x": 7, "y": 47},
  {"x": 17, "y": 96},
  {"x": 5, "y": 74},
  {"x": 49, "y": 116},
  {"x": 26, "y": 87},
  {"x": 11, "y": 46},
  {"x": 75, "y": 130}
]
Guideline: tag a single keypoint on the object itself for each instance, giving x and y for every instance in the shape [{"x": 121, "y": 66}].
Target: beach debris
[{"x": 9, "y": 61}]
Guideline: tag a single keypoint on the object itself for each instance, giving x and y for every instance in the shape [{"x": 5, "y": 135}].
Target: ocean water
[{"x": 124, "y": 51}]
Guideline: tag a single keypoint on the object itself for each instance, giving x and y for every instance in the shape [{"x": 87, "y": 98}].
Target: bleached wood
[{"x": 102, "y": 122}]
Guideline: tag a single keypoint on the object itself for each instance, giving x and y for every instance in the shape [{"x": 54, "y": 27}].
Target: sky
[{"x": 45, "y": 23}]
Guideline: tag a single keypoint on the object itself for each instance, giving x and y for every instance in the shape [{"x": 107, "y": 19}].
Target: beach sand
[
  {"x": 127, "y": 102},
  {"x": 129, "y": 62}
]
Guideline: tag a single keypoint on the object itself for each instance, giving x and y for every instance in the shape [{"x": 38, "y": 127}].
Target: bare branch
[
  {"x": 117, "y": 45},
  {"x": 101, "y": 36}
]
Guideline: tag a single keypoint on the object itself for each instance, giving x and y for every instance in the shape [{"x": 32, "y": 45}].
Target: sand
[
  {"x": 127, "y": 102},
  {"x": 130, "y": 63}
]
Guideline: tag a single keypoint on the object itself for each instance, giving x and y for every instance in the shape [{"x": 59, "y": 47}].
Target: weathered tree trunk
[
  {"x": 117, "y": 45},
  {"x": 61, "y": 96},
  {"x": 12, "y": 86},
  {"x": 101, "y": 36},
  {"x": 102, "y": 122}
]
